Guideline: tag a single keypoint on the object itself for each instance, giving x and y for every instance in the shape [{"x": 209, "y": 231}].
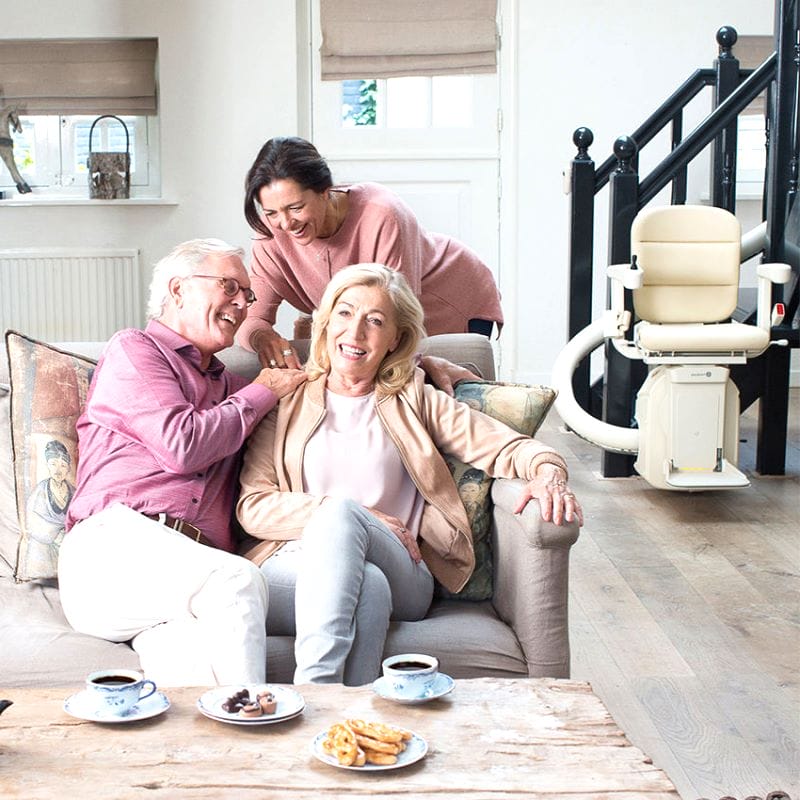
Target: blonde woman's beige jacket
[{"x": 421, "y": 421}]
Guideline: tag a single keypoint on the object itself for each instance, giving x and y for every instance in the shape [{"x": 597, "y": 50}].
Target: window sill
[{"x": 21, "y": 200}]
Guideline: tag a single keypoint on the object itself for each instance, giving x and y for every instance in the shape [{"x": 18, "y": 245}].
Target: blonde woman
[{"x": 351, "y": 510}]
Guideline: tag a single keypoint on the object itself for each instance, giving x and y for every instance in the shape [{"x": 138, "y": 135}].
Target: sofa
[{"x": 517, "y": 627}]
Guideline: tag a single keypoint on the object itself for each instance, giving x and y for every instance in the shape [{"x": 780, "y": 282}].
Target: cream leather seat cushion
[{"x": 700, "y": 338}]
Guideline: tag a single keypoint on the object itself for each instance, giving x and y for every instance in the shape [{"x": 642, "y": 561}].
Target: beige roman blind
[
  {"x": 380, "y": 39},
  {"x": 752, "y": 52},
  {"x": 79, "y": 76}
]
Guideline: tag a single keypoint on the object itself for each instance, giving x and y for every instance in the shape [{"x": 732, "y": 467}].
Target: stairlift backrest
[{"x": 690, "y": 258}]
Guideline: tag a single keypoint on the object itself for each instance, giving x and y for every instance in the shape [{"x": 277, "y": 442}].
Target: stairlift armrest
[
  {"x": 767, "y": 275},
  {"x": 617, "y": 320},
  {"x": 774, "y": 273},
  {"x": 629, "y": 278}
]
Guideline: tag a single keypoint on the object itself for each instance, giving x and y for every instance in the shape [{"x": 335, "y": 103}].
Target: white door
[{"x": 434, "y": 142}]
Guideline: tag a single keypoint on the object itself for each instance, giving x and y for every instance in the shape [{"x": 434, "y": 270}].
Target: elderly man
[{"x": 149, "y": 552}]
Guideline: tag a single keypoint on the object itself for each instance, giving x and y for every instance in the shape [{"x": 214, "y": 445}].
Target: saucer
[
  {"x": 290, "y": 704},
  {"x": 441, "y": 686},
  {"x": 83, "y": 706}
]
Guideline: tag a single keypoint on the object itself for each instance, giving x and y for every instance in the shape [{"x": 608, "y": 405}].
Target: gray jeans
[{"x": 338, "y": 591}]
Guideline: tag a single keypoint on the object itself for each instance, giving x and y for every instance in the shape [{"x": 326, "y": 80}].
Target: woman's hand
[
  {"x": 407, "y": 538},
  {"x": 556, "y": 501},
  {"x": 445, "y": 374},
  {"x": 274, "y": 351}
]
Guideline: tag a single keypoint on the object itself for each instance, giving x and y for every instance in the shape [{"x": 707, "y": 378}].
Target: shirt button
[{"x": 194, "y": 500}]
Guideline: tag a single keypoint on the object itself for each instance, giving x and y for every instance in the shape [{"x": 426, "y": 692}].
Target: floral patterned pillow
[
  {"x": 48, "y": 394},
  {"x": 522, "y": 408}
]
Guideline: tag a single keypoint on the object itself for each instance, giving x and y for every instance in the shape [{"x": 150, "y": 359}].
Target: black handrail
[
  {"x": 704, "y": 133},
  {"x": 652, "y": 126},
  {"x": 734, "y": 89}
]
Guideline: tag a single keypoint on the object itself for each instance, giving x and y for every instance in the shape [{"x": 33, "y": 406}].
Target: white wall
[
  {"x": 228, "y": 72},
  {"x": 227, "y": 83},
  {"x": 607, "y": 66}
]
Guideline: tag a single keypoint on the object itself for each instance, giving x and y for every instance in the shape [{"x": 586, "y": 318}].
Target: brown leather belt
[{"x": 182, "y": 526}]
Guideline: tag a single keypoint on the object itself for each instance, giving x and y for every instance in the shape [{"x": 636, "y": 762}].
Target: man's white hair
[{"x": 183, "y": 261}]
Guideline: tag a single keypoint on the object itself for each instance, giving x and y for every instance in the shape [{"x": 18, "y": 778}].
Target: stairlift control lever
[{"x": 778, "y": 312}]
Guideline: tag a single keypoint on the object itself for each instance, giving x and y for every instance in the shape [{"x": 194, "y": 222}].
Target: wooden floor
[{"x": 685, "y": 617}]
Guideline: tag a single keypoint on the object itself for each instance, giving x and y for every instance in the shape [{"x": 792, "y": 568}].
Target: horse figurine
[{"x": 9, "y": 123}]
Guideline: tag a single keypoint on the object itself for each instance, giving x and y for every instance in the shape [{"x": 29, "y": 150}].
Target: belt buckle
[
  {"x": 182, "y": 526},
  {"x": 187, "y": 529}
]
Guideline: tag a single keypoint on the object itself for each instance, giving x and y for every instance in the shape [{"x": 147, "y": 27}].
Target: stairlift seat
[
  {"x": 716, "y": 339},
  {"x": 684, "y": 281}
]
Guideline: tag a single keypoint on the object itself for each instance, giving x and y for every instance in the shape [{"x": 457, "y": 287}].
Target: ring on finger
[
  {"x": 286, "y": 352},
  {"x": 273, "y": 363}
]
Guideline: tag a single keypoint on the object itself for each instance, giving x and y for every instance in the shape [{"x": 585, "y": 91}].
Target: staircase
[{"x": 767, "y": 377}]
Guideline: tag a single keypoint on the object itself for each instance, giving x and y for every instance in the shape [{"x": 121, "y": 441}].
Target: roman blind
[
  {"x": 379, "y": 39},
  {"x": 79, "y": 76}
]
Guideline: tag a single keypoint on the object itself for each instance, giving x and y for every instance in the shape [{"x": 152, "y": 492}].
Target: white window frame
[
  {"x": 750, "y": 149},
  {"x": 55, "y": 175}
]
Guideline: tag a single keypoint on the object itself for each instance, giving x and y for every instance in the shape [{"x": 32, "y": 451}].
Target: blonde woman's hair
[{"x": 397, "y": 367}]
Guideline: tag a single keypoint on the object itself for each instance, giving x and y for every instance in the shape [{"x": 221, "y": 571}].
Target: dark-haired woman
[{"x": 310, "y": 229}]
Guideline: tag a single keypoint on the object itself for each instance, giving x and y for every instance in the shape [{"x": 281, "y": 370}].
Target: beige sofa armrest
[{"x": 531, "y": 571}]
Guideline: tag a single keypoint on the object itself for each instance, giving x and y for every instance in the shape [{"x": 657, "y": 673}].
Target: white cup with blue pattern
[
  {"x": 411, "y": 676},
  {"x": 117, "y": 691}
]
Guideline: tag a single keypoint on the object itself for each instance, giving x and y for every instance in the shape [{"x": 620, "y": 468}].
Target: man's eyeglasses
[{"x": 231, "y": 287}]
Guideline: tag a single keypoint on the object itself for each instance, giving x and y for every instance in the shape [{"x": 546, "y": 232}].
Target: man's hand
[
  {"x": 445, "y": 374},
  {"x": 281, "y": 381}
]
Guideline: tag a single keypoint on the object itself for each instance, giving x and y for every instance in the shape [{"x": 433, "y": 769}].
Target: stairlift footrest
[{"x": 729, "y": 477}]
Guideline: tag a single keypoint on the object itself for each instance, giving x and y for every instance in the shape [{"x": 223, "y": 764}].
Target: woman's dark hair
[{"x": 283, "y": 158}]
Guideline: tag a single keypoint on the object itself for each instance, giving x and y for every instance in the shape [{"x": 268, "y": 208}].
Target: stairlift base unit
[{"x": 688, "y": 419}]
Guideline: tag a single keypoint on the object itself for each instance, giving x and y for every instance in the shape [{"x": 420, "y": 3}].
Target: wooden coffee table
[{"x": 488, "y": 738}]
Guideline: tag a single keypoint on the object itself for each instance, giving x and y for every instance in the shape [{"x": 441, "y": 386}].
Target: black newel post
[
  {"x": 620, "y": 383},
  {"x": 580, "y": 253},
  {"x": 723, "y": 172},
  {"x": 782, "y": 163}
]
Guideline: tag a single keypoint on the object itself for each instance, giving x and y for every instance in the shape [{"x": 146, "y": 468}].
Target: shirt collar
[{"x": 182, "y": 346}]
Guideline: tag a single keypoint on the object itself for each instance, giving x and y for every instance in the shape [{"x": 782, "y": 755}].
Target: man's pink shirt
[{"x": 162, "y": 435}]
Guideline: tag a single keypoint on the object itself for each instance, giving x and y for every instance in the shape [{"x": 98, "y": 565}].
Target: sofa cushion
[
  {"x": 39, "y": 648},
  {"x": 469, "y": 640},
  {"x": 522, "y": 408},
  {"x": 9, "y": 524},
  {"x": 48, "y": 393}
]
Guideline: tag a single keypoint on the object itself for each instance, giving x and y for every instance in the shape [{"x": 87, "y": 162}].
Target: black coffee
[
  {"x": 409, "y": 666},
  {"x": 114, "y": 680}
]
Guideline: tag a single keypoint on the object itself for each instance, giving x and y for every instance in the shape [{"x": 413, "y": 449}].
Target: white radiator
[{"x": 66, "y": 294}]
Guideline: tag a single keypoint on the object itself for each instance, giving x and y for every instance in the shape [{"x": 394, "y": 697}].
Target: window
[
  {"x": 751, "y": 155},
  {"x": 51, "y": 153},
  {"x": 58, "y": 88},
  {"x": 411, "y": 102}
]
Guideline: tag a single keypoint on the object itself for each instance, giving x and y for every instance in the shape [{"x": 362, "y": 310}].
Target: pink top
[
  {"x": 160, "y": 434},
  {"x": 350, "y": 455},
  {"x": 452, "y": 283}
]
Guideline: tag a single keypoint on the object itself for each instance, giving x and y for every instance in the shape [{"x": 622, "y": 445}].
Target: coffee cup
[
  {"x": 117, "y": 691},
  {"x": 411, "y": 676}
]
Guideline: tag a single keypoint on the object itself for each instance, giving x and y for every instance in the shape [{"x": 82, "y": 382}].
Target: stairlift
[{"x": 684, "y": 276}]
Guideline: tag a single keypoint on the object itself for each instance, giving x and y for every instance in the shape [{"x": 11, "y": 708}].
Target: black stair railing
[{"x": 734, "y": 89}]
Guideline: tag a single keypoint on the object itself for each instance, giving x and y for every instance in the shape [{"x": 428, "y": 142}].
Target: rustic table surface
[{"x": 489, "y": 738}]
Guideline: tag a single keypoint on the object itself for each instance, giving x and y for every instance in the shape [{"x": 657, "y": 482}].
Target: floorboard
[{"x": 685, "y": 617}]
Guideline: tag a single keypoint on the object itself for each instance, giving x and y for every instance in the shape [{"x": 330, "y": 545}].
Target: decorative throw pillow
[
  {"x": 522, "y": 408},
  {"x": 48, "y": 394}
]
